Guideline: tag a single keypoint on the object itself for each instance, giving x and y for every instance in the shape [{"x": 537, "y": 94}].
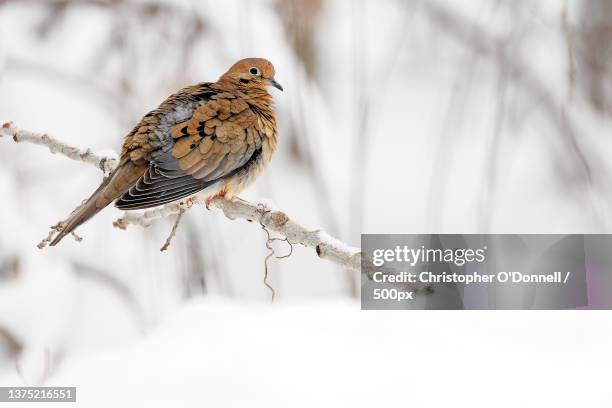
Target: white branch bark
[
  {"x": 106, "y": 162},
  {"x": 326, "y": 246}
]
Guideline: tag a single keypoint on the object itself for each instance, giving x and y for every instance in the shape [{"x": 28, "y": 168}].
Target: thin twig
[
  {"x": 174, "y": 227},
  {"x": 52, "y": 231},
  {"x": 272, "y": 252}
]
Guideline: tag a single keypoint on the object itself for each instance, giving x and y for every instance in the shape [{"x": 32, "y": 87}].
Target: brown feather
[{"x": 203, "y": 134}]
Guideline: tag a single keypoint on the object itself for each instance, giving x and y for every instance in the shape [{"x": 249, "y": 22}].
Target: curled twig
[{"x": 271, "y": 253}]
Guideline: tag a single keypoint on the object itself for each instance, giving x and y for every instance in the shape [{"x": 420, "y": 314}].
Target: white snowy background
[{"x": 397, "y": 117}]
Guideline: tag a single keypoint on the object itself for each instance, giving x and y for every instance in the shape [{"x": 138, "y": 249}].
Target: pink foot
[{"x": 209, "y": 199}]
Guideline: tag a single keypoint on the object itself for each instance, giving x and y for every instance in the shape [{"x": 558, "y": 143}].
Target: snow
[
  {"x": 127, "y": 324},
  {"x": 222, "y": 353}
]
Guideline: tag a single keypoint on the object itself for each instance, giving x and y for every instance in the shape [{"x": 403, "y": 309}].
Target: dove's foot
[{"x": 209, "y": 199}]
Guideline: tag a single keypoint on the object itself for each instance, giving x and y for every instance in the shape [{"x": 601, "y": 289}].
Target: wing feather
[{"x": 212, "y": 145}]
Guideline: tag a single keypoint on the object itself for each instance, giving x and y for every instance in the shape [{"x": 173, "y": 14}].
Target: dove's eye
[{"x": 254, "y": 71}]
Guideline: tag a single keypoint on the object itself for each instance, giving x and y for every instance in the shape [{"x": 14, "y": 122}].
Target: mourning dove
[{"x": 210, "y": 139}]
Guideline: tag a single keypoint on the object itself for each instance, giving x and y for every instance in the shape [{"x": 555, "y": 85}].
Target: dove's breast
[{"x": 257, "y": 163}]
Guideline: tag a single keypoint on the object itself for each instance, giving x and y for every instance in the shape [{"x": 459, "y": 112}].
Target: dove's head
[{"x": 252, "y": 74}]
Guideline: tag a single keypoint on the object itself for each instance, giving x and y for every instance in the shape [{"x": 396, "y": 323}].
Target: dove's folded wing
[{"x": 218, "y": 141}]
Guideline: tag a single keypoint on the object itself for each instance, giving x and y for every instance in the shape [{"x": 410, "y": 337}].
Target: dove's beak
[{"x": 275, "y": 84}]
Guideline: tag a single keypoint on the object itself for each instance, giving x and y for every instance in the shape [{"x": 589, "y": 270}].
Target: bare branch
[
  {"x": 54, "y": 229},
  {"x": 174, "y": 228},
  {"x": 272, "y": 253},
  {"x": 144, "y": 218},
  {"x": 326, "y": 246},
  {"x": 105, "y": 163}
]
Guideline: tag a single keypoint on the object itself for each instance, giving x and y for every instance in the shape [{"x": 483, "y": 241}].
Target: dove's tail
[
  {"x": 87, "y": 210},
  {"x": 115, "y": 185}
]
